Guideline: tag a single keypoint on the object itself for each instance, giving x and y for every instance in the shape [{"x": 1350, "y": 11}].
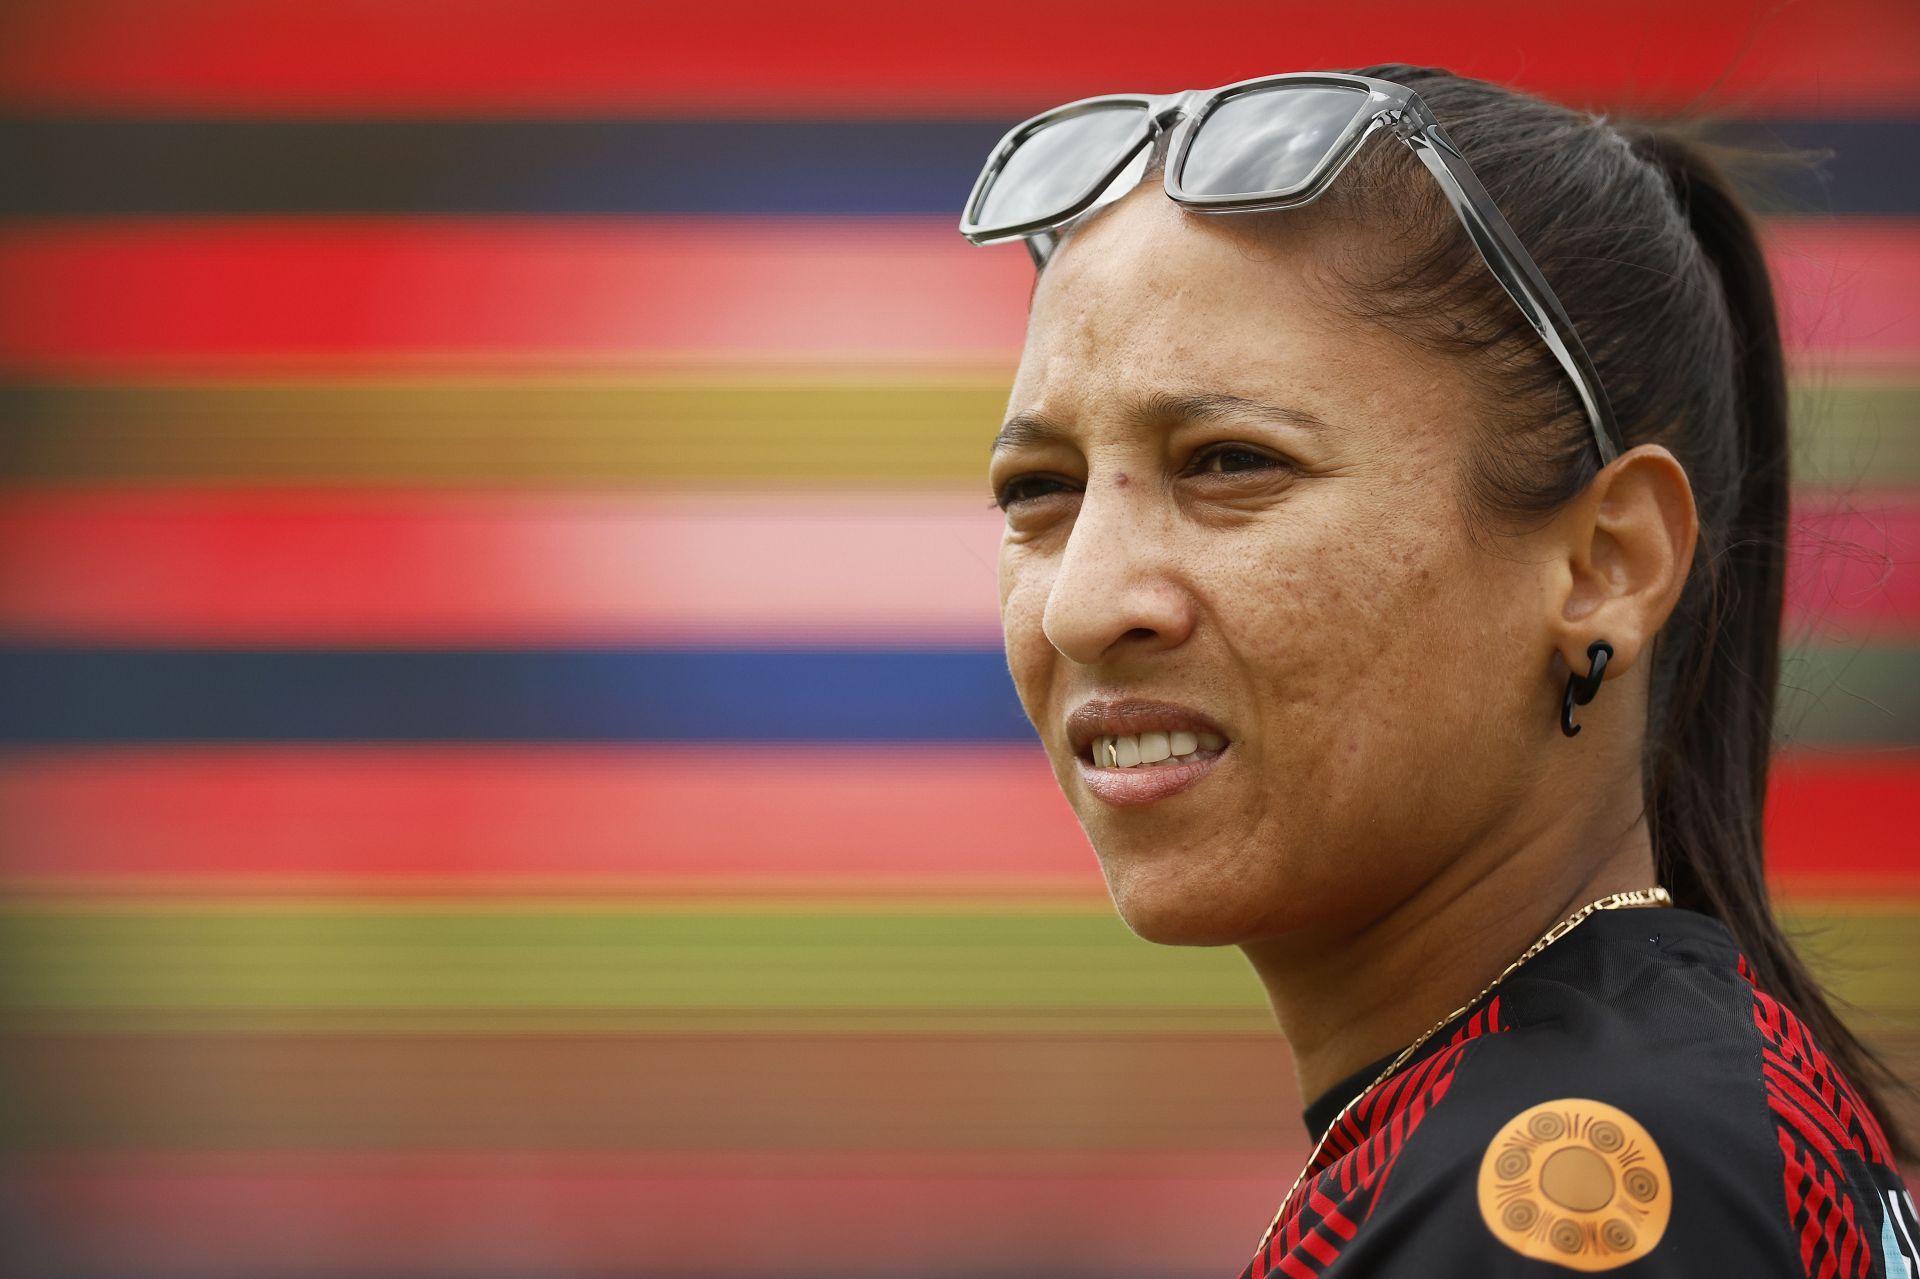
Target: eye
[
  {"x": 1010, "y": 494},
  {"x": 1226, "y": 452},
  {"x": 1234, "y": 459}
]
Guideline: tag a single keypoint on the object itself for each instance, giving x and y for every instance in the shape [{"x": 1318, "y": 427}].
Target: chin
[{"x": 1175, "y": 911}]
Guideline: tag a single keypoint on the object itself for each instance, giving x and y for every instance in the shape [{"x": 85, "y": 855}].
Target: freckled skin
[{"x": 1390, "y": 688}]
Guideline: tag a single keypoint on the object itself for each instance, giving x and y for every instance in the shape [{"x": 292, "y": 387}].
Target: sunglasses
[{"x": 1272, "y": 142}]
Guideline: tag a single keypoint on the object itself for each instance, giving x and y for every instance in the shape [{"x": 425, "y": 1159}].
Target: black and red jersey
[{"x": 1628, "y": 1100}]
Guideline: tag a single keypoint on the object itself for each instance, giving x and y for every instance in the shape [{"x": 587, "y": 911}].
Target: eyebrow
[{"x": 1023, "y": 430}]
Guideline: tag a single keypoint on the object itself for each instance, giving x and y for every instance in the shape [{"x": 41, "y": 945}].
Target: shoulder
[
  {"x": 1642, "y": 1103},
  {"x": 1559, "y": 1150}
]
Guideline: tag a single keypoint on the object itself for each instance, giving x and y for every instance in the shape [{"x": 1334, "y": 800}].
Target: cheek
[
  {"x": 1325, "y": 600},
  {"x": 1366, "y": 645},
  {"x": 1023, "y": 601}
]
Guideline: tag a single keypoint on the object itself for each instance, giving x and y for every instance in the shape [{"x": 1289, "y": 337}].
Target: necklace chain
[{"x": 1655, "y": 896}]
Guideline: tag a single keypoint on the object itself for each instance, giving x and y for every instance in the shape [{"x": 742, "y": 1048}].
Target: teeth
[{"x": 1144, "y": 750}]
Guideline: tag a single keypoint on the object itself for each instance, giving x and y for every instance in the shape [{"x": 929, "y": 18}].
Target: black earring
[{"x": 1581, "y": 688}]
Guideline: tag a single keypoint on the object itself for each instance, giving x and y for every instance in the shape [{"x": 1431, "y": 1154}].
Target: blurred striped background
[{"x": 506, "y": 762}]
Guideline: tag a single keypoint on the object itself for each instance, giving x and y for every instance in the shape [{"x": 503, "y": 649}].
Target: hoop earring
[{"x": 1581, "y": 688}]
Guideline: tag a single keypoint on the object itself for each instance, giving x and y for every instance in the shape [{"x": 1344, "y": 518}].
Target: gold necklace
[{"x": 1655, "y": 896}]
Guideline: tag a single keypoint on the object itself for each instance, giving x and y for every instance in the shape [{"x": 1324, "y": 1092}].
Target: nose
[{"x": 1114, "y": 589}]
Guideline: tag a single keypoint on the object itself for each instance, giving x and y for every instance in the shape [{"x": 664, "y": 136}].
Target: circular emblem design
[{"x": 1577, "y": 1183}]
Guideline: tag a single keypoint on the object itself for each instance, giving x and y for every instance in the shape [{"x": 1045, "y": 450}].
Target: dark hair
[{"x": 1648, "y": 245}]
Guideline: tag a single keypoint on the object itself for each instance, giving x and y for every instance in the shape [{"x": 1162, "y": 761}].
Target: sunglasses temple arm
[
  {"x": 1510, "y": 263},
  {"x": 1040, "y": 246}
]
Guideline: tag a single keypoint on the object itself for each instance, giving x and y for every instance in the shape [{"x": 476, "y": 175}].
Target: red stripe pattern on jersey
[
  {"x": 1346, "y": 1178},
  {"x": 1817, "y": 1115}
]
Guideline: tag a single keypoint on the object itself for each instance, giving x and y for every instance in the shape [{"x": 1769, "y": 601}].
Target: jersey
[{"x": 1628, "y": 1100}]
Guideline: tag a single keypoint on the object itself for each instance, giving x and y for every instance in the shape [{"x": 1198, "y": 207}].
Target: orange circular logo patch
[{"x": 1575, "y": 1182}]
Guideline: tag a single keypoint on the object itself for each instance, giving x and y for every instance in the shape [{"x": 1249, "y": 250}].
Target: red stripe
[
  {"x": 434, "y": 817},
  {"x": 1810, "y": 1062},
  {"x": 223, "y": 293},
  {"x": 1351, "y": 1134},
  {"x": 1833, "y": 818},
  {"x": 112, "y": 297},
  {"x": 1422, "y": 1079},
  {"x": 1766, "y": 1011},
  {"x": 440, "y": 818},
  {"x": 1830, "y": 1220},
  {"x": 1804, "y": 1114},
  {"x": 1791, "y": 1176},
  {"x": 1316, "y": 1246},
  {"x": 1851, "y": 1250},
  {"x": 1333, "y": 1218},
  {"x": 1395, "y": 1139},
  {"x": 1382, "y": 1100},
  {"x": 1293, "y": 1267},
  {"x": 869, "y": 56},
  {"x": 1812, "y": 1202}
]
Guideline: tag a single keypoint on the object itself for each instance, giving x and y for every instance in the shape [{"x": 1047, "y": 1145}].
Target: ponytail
[{"x": 1711, "y": 743}]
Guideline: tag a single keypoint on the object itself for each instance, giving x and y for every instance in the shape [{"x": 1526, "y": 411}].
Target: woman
[{"x": 1413, "y": 624}]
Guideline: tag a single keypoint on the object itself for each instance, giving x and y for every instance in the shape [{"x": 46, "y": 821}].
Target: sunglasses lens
[
  {"x": 1268, "y": 139},
  {"x": 1056, "y": 165}
]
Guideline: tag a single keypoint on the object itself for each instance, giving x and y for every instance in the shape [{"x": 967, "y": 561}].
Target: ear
[{"x": 1628, "y": 544}]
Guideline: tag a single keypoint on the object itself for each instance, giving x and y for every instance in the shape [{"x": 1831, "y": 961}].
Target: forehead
[{"x": 1147, "y": 294}]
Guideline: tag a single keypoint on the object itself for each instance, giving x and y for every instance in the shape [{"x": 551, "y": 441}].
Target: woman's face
[{"x": 1305, "y": 582}]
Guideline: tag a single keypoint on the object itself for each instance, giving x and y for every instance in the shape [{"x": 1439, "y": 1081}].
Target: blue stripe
[
  {"x": 54, "y": 695},
  {"x": 61, "y": 166}
]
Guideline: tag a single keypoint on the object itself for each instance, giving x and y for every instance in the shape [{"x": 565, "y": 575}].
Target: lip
[
  {"x": 1130, "y": 787},
  {"x": 1127, "y": 717},
  {"x": 1141, "y": 786}
]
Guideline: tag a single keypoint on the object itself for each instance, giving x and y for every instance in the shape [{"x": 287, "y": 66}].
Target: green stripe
[
  {"x": 1862, "y": 694},
  {"x": 882, "y": 427},
  {"x": 1856, "y": 434},
  {"x": 220, "y": 957},
  {"x": 247, "y": 959}
]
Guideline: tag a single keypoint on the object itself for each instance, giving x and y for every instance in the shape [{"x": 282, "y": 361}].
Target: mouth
[{"x": 1127, "y": 771}]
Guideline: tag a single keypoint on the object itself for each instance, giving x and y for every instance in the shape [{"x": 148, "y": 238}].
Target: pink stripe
[
  {"x": 105, "y": 297},
  {"x": 343, "y": 566},
  {"x": 347, "y": 566},
  {"x": 454, "y": 1213},
  {"x": 1848, "y": 286}
]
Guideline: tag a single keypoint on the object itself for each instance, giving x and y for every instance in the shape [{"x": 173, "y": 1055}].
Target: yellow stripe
[{"x": 693, "y": 427}]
